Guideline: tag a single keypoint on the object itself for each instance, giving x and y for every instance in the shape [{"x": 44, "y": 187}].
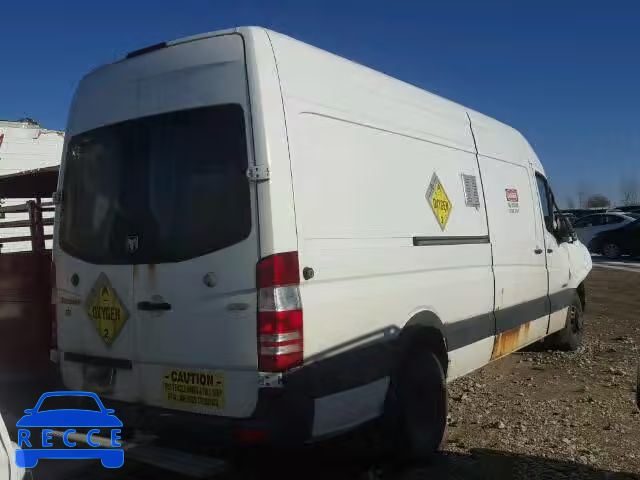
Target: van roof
[
  {"x": 368, "y": 91},
  {"x": 499, "y": 141}
]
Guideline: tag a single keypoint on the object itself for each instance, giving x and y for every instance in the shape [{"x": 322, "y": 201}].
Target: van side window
[{"x": 547, "y": 208}]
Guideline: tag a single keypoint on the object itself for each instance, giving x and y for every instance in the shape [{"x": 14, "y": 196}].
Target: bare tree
[
  {"x": 584, "y": 192},
  {"x": 571, "y": 203},
  {"x": 598, "y": 201},
  {"x": 630, "y": 190}
]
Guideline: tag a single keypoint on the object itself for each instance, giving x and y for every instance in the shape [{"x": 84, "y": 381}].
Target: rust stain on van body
[
  {"x": 152, "y": 275},
  {"x": 151, "y": 272},
  {"x": 509, "y": 341}
]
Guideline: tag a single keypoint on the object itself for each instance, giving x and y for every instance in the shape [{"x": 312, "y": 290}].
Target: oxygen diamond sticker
[
  {"x": 106, "y": 310},
  {"x": 439, "y": 201}
]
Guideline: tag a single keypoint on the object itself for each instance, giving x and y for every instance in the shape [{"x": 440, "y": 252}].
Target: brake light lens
[
  {"x": 251, "y": 436},
  {"x": 279, "y": 269},
  {"x": 280, "y": 333}
]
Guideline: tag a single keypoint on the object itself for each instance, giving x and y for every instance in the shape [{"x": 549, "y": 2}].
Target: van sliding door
[{"x": 521, "y": 308}]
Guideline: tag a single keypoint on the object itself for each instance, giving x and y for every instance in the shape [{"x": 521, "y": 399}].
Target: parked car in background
[
  {"x": 629, "y": 208},
  {"x": 583, "y": 212},
  {"x": 621, "y": 241},
  {"x": 588, "y": 227}
]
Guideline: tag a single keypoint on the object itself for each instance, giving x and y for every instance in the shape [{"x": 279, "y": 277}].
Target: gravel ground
[
  {"x": 563, "y": 406},
  {"x": 531, "y": 415}
]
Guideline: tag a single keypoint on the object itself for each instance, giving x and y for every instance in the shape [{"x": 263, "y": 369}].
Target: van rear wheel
[{"x": 416, "y": 407}]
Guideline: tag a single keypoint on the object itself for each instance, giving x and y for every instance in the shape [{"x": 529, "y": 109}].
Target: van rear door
[
  {"x": 194, "y": 286},
  {"x": 157, "y": 201}
]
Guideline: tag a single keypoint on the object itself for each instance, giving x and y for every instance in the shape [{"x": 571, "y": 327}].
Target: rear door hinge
[
  {"x": 258, "y": 173},
  {"x": 56, "y": 197}
]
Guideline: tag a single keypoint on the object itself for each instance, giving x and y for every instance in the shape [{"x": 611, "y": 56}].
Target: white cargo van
[{"x": 261, "y": 240}]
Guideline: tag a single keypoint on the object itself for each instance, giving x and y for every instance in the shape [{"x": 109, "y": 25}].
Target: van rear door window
[{"x": 157, "y": 189}]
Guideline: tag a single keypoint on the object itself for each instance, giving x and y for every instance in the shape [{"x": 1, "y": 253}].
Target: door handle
[
  {"x": 549, "y": 250},
  {"x": 153, "y": 306},
  {"x": 537, "y": 251}
]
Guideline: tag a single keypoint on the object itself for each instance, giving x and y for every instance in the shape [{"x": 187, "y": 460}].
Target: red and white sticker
[
  {"x": 512, "y": 200},
  {"x": 512, "y": 195}
]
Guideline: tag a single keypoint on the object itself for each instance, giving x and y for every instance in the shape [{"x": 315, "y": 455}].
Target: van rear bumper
[{"x": 281, "y": 418}]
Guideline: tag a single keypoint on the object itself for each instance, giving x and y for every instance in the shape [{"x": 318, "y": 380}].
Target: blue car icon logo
[{"x": 34, "y": 445}]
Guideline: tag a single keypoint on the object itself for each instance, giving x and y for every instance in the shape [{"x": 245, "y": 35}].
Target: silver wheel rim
[{"x": 611, "y": 250}]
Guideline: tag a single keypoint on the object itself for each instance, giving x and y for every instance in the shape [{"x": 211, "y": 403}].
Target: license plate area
[{"x": 98, "y": 378}]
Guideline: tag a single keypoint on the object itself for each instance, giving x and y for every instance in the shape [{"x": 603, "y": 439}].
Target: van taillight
[
  {"x": 54, "y": 300},
  {"x": 280, "y": 340}
]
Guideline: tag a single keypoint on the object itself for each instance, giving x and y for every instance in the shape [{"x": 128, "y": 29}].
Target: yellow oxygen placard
[
  {"x": 104, "y": 308},
  {"x": 439, "y": 201}
]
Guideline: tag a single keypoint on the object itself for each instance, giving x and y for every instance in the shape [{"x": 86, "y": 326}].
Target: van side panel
[
  {"x": 276, "y": 209},
  {"x": 377, "y": 181},
  {"x": 360, "y": 201},
  {"x": 364, "y": 149}
]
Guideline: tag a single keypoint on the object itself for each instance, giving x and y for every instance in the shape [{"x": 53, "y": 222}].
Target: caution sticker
[
  {"x": 439, "y": 201},
  {"x": 106, "y": 310},
  {"x": 194, "y": 387}
]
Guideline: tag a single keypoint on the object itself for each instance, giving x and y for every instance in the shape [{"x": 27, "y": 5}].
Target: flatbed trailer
[{"x": 26, "y": 313}]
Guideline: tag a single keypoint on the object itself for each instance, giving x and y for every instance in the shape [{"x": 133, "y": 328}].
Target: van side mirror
[{"x": 564, "y": 232}]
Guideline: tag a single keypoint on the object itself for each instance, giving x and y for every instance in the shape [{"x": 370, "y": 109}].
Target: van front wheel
[
  {"x": 416, "y": 407},
  {"x": 611, "y": 251},
  {"x": 570, "y": 337}
]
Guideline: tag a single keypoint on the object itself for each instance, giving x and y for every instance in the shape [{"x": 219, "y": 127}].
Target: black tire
[
  {"x": 415, "y": 417},
  {"x": 570, "y": 337},
  {"x": 611, "y": 250}
]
